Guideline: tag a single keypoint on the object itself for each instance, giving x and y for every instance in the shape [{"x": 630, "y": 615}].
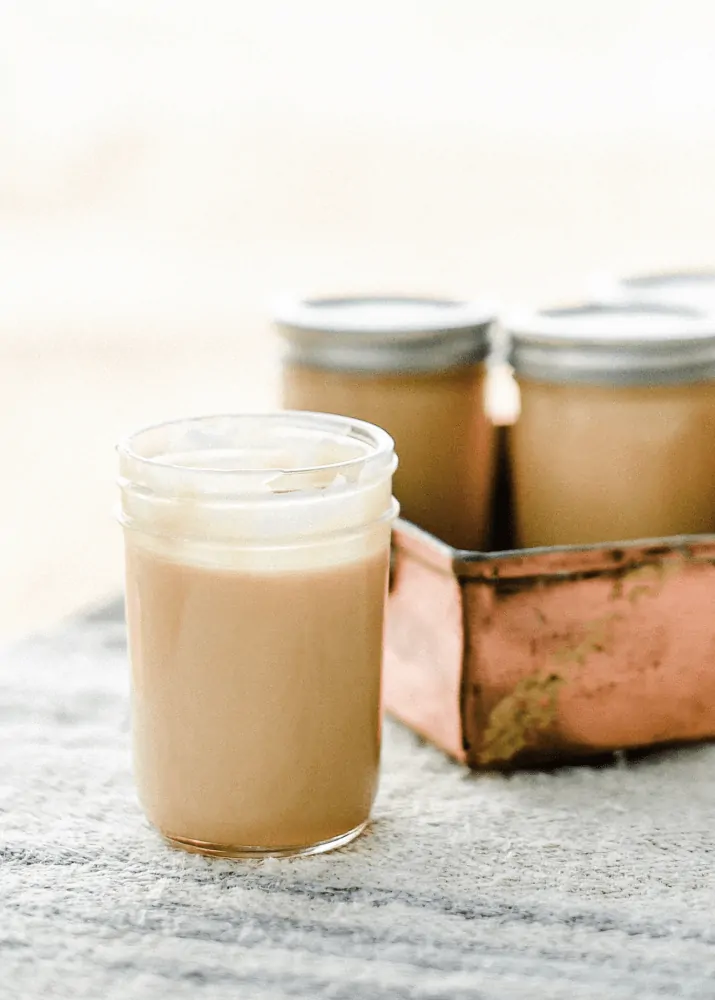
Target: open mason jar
[{"x": 257, "y": 551}]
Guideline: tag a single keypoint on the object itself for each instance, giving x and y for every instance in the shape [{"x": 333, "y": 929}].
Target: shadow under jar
[
  {"x": 417, "y": 368},
  {"x": 256, "y": 565},
  {"x": 615, "y": 436}
]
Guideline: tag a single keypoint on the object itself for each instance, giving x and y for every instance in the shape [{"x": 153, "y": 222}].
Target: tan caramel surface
[{"x": 594, "y": 463}]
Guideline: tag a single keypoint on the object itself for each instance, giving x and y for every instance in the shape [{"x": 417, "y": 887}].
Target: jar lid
[
  {"x": 384, "y": 333},
  {"x": 692, "y": 289},
  {"x": 613, "y": 344}
]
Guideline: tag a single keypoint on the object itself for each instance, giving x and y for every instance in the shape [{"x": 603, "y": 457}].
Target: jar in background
[
  {"x": 615, "y": 438},
  {"x": 689, "y": 289},
  {"x": 257, "y": 552},
  {"x": 417, "y": 368}
]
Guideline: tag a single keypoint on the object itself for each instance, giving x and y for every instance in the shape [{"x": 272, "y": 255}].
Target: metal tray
[{"x": 526, "y": 656}]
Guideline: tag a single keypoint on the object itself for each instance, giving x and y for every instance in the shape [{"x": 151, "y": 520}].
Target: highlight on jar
[
  {"x": 419, "y": 368},
  {"x": 257, "y": 551}
]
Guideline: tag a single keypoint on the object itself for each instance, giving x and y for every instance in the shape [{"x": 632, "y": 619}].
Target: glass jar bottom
[{"x": 243, "y": 852}]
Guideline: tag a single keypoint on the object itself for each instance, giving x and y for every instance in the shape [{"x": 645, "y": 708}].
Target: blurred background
[{"x": 167, "y": 167}]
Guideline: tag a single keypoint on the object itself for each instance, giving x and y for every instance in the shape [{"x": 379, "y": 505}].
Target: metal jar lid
[
  {"x": 613, "y": 344},
  {"x": 692, "y": 289},
  {"x": 388, "y": 333}
]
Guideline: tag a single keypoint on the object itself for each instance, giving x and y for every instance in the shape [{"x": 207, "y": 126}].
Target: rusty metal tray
[{"x": 525, "y": 656}]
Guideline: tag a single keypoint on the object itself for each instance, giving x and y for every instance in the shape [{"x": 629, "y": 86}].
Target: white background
[{"x": 167, "y": 167}]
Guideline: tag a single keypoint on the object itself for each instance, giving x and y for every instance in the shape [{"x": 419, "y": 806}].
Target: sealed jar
[
  {"x": 257, "y": 551},
  {"x": 417, "y": 368},
  {"x": 615, "y": 436},
  {"x": 690, "y": 289}
]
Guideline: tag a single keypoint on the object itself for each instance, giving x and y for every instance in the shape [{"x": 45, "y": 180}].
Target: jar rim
[
  {"x": 384, "y": 333},
  {"x": 693, "y": 289},
  {"x": 162, "y": 449},
  {"x": 413, "y": 316},
  {"x": 661, "y": 281},
  {"x": 614, "y": 343},
  {"x": 645, "y": 324},
  {"x": 170, "y": 490}
]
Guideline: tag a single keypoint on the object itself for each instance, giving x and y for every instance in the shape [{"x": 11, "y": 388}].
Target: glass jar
[
  {"x": 688, "y": 289},
  {"x": 257, "y": 551},
  {"x": 417, "y": 368},
  {"x": 615, "y": 436}
]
